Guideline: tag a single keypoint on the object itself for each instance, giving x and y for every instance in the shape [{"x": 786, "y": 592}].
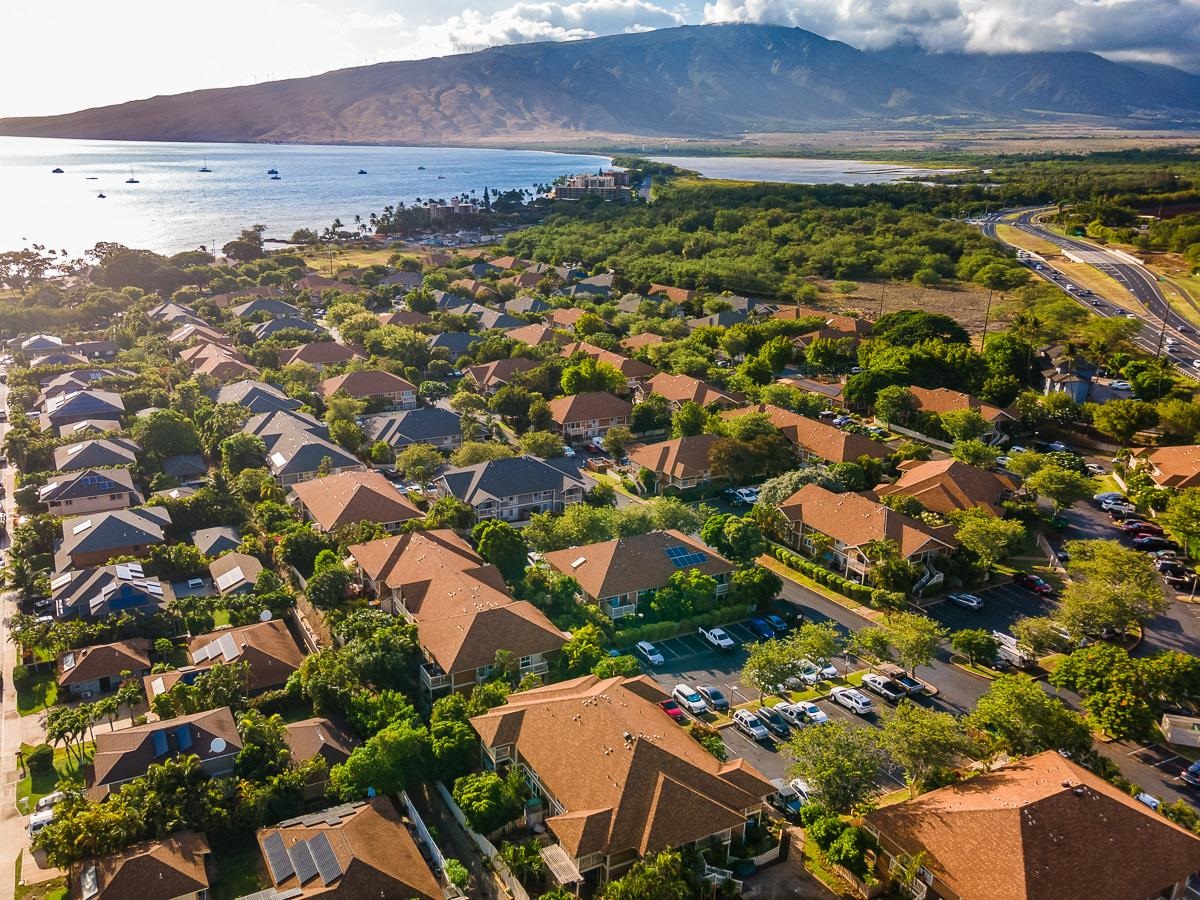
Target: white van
[{"x": 40, "y": 820}]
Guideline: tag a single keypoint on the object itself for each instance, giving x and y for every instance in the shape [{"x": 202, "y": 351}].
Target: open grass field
[
  {"x": 966, "y": 304},
  {"x": 36, "y": 693},
  {"x": 36, "y": 785},
  {"x": 346, "y": 259}
]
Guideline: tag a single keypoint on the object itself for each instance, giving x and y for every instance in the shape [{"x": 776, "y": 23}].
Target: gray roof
[
  {"x": 174, "y": 314},
  {"x": 114, "y": 530},
  {"x": 274, "y": 326},
  {"x": 215, "y": 541},
  {"x": 505, "y": 478},
  {"x": 457, "y": 342},
  {"x": 256, "y": 396},
  {"x": 491, "y": 318},
  {"x": 97, "y": 590},
  {"x": 88, "y": 483},
  {"x": 92, "y": 404},
  {"x": 297, "y": 452},
  {"x": 723, "y": 319},
  {"x": 527, "y": 304},
  {"x": 96, "y": 453},
  {"x": 270, "y": 425},
  {"x": 268, "y": 305},
  {"x": 185, "y": 465},
  {"x": 413, "y": 426}
]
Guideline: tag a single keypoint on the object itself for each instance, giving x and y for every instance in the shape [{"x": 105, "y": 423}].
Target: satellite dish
[
  {"x": 264, "y": 616},
  {"x": 218, "y": 745}
]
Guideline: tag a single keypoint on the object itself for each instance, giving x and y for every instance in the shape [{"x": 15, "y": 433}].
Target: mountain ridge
[{"x": 711, "y": 81}]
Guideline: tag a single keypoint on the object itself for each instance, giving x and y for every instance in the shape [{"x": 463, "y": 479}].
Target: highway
[{"x": 1178, "y": 340}]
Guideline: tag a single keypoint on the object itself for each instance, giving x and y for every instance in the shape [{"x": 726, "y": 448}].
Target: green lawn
[
  {"x": 36, "y": 692},
  {"x": 36, "y": 785},
  {"x": 220, "y": 617},
  {"x": 238, "y": 870},
  {"x": 54, "y": 889}
]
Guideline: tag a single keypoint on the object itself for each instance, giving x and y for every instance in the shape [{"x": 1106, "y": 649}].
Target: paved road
[{"x": 1141, "y": 283}]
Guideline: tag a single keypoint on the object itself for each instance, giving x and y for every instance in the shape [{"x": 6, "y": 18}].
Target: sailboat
[
  {"x": 362, "y": 171},
  {"x": 420, "y": 168},
  {"x": 276, "y": 178},
  {"x": 131, "y": 179},
  {"x": 100, "y": 196},
  {"x": 205, "y": 168},
  {"x": 56, "y": 171},
  {"x": 272, "y": 171}
]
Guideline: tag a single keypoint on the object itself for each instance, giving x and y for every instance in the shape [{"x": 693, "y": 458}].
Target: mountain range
[{"x": 711, "y": 81}]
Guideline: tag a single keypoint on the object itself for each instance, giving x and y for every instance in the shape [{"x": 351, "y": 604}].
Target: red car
[
  {"x": 1032, "y": 583},
  {"x": 671, "y": 708}
]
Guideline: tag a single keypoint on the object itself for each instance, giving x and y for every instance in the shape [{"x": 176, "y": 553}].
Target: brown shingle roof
[
  {"x": 585, "y": 407},
  {"x": 567, "y": 317},
  {"x": 685, "y": 457},
  {"x": 681, "y": 388},
  {"x": 366, "y": 383},
  {"x": 942, "y": 400},
  {"x": 945, "y": 485},
  {"x": 500, "y": 372},
  {"x": 348, "y": 497},
  {"x": 1174, "y": 467},
  {"x": 376, "y": 855},
  {"x": 404, "y": 318},
  {"x": 632, "y": 781},
  {"x": 233, "y": 571},
  {"x": 319, "y": 353},
  {"x": 310, "y": 738},
  {"x": 535, "y": 335},
  {"x": 854, "y": 520},
  {"x": 88, "y": 663},
  {"x": 268, "y": 647},
  {"x": 645, "y": 339},
  {"x": 1043, "y": 828},
  {"x": 630, "y": 368},
  {"x": 163, "y": 869},
  {"x": 635, "y": 563},
  {"x": 821, "y": 440}
]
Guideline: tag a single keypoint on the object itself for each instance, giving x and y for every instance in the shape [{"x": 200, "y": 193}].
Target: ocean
[{"x": 176, "y": 207}]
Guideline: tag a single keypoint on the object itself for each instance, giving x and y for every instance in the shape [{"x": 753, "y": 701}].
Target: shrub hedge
[
  {"x": 823, "y": 576},
  {"x": 657, "y": 631}
]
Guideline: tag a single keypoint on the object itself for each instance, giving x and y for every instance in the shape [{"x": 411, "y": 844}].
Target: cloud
[
  {"x": 550, "y": 21},
  {"x": 1152, "y": 30}
]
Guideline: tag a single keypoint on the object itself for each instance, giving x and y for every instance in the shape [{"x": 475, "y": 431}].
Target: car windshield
[
  {"x": 669, "y": 705},
  {"x": 715, "y": 695},
  {"x": 691, "y": 696},
  {"x": 770, "y": 715}
]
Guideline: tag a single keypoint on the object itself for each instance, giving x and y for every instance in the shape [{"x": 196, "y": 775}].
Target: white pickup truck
[{"x": 716, "y": 637}]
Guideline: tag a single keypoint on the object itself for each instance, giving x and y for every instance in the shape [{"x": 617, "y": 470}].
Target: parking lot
[{"x": 1002, "y": 606}]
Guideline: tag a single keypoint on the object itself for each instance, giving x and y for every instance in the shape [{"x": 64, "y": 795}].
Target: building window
[{"x": 526, "y": 662}]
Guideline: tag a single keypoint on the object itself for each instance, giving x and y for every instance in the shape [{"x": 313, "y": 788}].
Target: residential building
[
  {"x": 1039, "y": 828},
  {"x": 403, "y": 279},
  {"x": 617, "y": 781},
  {"x": 583, "y": 416},
  {"x": 1170, "y": 467},
  {"x": 75, "y": 380},
  {"x": 536, "y": 335},
  {"x": 635, "y": 371},
  {"x": 846, "y": 523},
  {"x": 490, "y": 318},
  {"x": 225, "y": 367},
  {"x": 256, "y": 396},
  {"x": 79, "y": 406},
  {"x": 97, "y": 669},
  {"x": 310, "y": 738},
  {"x": 350, "y": 852},
  {"x": 98, "y": 591},
  {"x": 189, "y": 469},
  {"x": 815, "y": 441},
  {"x": 271, "y": 327},
  {"x": 99, "y": 453},
  {"x": 638, "y": 341},
  {"x": 230, "y": 298},
  {"x": 320, "y": 354},
  {"x": 94, "y": 539},
  {"x": 296, "y": 454},
  {"x": 174, "y": 314},
  {"x": 217, "y": 540},
  {"x": 173, "y": 867},
  {"x": 81, "y": 429},
  {"x": 492, "y": 376},
  {"x": 679, "y": 389},
  {"x": 198, "y": 354},
  {"x": 235, "y": 573},
  {"x": 433, "y": 425},
  {"x": 523, "y": 281},
  {"x": 185, "y": 334},
  {"x": 454, "y": 343},
  {"x": 726, "y": 318},
  {"x": 89, "y": 490},
  {"x": 265, "y": 306},
  {"x": 944, "y": 400},
  {"x": 338, "y": 500},
  {"x": 526, "y": 304},
  {"x": 673, "y": 294},
  {"x": 606, "y": 186},
  {"x": 127, "y": 753},
  {"x": 271, "y": 425},
  {"x": 267, "y": 648},
  {"x": 460, "y": 605},
  {"x": 833, "y": 326},
  {"x": 620, "y": 574},
  {"x": 373, "y": 385},
  {"x": 511, "y": 489},
  {"x": 947, "y": 485},
  {"x": 405, "y": 318},
  {"x": 680, "y": 463},
  {"x": 566, "y": 317},
  {"x": 58, "y": 358}
]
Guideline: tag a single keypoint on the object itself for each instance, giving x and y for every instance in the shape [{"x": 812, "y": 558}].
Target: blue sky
[{"x": 72, "y": 54}]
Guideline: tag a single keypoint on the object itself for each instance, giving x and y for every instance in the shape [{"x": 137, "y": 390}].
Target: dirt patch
[{"x": 966, "y": 304}]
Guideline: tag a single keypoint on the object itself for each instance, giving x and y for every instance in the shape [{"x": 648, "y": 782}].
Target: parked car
[
  {"x": 1121, "y": 386},
  {"x": 649, "y": 653},
  {"x": 39, "y": 820},
  {"x": 761, "y": 628},
  {"x": 714, "y": 697},
  {"x": 1154, "y": 542},
  {"x": 883, "y": 687},
  {"x": 689, "y": 698},
  {"x": 1137, "y": 526},
  {"x": 568, "y": 452},
  {"x": 792, "y": 713},
  {"x": 813, "y": 713},
  {"x": 1032, "y": 583},
  {"x": 195, "y": 584},
  {"x": 802, "y": 788},
  {"x": 852, "y": 699},
  {"x": 808, "y": 674},
  {"x": 969, "y": 601},
  {"x": 1191, "y": 775},
  {"x": 750, "y": 725},
  {"x": 826, "y": 668},
  {"x": 671, "y": 708},
  {"x": 775, "y": 723},
  {"x": 1094, "y": 469},
  {"x": 1105, "y": 496},
  {"x": 49, "y": 801},
  {"x": 1058, "y": 447},
  {"x": 785, "y": 799},
  {"x": 911, "y": 686},
  {"x": 716, "y": 637},
  {"x": 776, "y": 622},
  {"x": 747, "y": 496}
]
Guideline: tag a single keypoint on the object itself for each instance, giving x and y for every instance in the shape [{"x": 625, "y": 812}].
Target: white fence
[{"x": 485, "y": 846}]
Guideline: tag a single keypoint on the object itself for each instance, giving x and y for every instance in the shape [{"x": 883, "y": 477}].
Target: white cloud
[
  {"x": 1159, "y": 30},
  {"x": 550, "y": 21}
]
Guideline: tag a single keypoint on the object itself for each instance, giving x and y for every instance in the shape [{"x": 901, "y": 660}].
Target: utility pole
[
  {"x": 1162, "y": 333},
  {"x": 882, "y": 289},
  {"x": 986, "y": 315}
]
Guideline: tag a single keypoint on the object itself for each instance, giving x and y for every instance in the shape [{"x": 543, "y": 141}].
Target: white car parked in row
[
  {"x": 854, "y": 700},
  {"x": 650, "y": 653},
  {"x": 689, "y": 698},
  {"x": 750, "y": 725}
]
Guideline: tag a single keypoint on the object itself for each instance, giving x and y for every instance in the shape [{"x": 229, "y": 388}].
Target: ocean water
[
  {"x": 793, "y": 171},
  {"x": 176, "y": 207}
]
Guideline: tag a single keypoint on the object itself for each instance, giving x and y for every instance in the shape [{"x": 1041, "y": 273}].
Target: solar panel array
[
  {"x": 327, "y": 864},
  {"x": 682, "y": 557},
  {"x": 302, "y": 861},
  {"x": 278, "y": 860}
]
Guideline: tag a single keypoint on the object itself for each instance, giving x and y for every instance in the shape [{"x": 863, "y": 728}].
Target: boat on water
[
  {"x": 205, "y": 168},
  {"x": 131, "y": 179},
  {"x": 362, "y": 171},
  {"x": 56, "y": 171},
  {"x": 441, "y": 178},
  {"x": 100, "y": 196},
  {"x": 276, "y": 178},
  {"x": 420, "y": 168},
  {"x": 272, "y": 171},
  {"x": 92, "y": 178}
]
